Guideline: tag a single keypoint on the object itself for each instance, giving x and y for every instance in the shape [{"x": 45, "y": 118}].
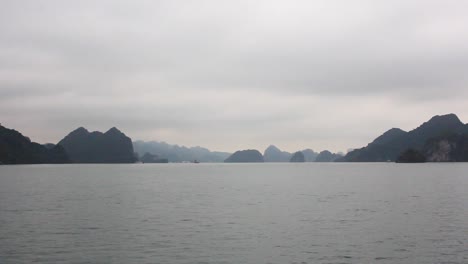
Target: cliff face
[
  {"x": 447, "y": 148},
  {"x": 440, "y": 151},
  {"x": 18, "y": 149},
  {"x": 96, "y": 147},
  {"x": 250, "y": 155}
]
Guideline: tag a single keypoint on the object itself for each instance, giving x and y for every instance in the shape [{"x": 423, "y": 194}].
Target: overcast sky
[{"x": 231, "y": 75}]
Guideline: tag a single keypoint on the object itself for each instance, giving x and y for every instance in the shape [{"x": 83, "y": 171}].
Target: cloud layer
[{"x": 232, "y": 74}]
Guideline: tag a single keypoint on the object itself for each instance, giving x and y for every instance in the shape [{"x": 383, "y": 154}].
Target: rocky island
[
  {"x": 432, "y": 139},
  {"x": 112, "y": 146},
  {"x": 250, "y": 155}
]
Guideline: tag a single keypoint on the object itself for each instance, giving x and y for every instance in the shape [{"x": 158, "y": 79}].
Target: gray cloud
[{"x": 232, "y": 74}]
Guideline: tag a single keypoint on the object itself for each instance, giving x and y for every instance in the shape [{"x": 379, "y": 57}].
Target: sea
[{"x": 235, "y": 213}]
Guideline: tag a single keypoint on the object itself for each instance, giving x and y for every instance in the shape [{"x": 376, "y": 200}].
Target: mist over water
[{"x": 234, "y": 213}]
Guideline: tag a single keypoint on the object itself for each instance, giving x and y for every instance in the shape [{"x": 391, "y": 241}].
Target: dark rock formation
[
  {"x": 274, "y": 154},
  {"x": 18, "y": 149},
  {"x": 392, "y": 143},
  {"x": 411, "y": 156},
  {"x": 49, "y": 145},
  {"x": 297, "y": 157},
  {"x": 96, "y": 147},
  {"x": 249, "y": 155}
]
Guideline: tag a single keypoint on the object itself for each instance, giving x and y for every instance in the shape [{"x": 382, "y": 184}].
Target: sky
[{"x": 230, "y": 75}]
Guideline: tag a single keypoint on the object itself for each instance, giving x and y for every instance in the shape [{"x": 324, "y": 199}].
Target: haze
[{"x": 230, "y": 75}]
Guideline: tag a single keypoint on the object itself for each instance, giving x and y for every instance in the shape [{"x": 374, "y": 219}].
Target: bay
[{"x": 235, "y": 213}]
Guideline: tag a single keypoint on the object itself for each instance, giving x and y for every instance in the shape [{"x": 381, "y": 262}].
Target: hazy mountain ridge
[
  {"x": 18, "y": 149},
  {"x": 176, "y": 153}
]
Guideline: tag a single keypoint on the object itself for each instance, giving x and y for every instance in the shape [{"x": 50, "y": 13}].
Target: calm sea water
[{"x": 234, "y": 213}]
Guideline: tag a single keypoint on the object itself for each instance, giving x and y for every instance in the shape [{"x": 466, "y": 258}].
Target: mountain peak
[
  {"x": 388, "y": 136},
  {"x": 272, "y": 148},
  {"x": 445, "y": 119},
  {"x": 450, "y": 121},
  {"x": 113, "y": 130},
  {"x": 96, "y": 147},
  {"x": 274, "y": 154},
  {"x": 249, "y": 155},
  {"x": 79, "y": 131}
]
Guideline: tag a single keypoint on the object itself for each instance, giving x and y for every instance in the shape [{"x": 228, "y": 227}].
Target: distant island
[
  {"x": 274, "y": 154},
  {"x": 249, "y": 155}
]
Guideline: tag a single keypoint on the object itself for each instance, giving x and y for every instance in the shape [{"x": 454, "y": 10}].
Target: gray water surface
[{"x": 234, "y": 213}]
